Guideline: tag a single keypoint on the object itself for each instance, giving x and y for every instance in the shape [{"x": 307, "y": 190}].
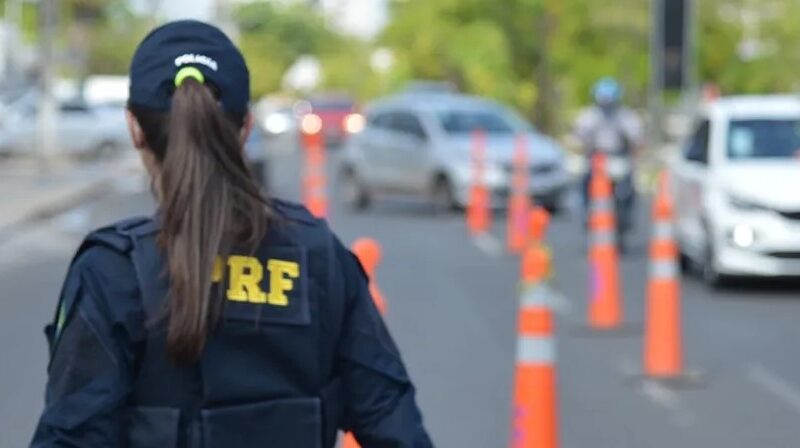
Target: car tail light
[
  {"x": 354, "y": 123},
  {"x": 311, "y": 124}
]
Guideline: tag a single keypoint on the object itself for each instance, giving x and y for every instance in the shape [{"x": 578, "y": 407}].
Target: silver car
[
  {"x": 420, "y": 144},
  {"x": 81, "y": 129}
]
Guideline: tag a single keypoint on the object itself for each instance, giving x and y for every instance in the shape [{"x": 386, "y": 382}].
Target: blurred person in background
[
  {"x": 227, "y": 319},
  {"x": 610, "y": 128}
]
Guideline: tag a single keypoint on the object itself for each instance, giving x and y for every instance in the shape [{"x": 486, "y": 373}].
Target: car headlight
[
  {"x": 743, "y": 236},
  {"x": 494, "y": 175}
]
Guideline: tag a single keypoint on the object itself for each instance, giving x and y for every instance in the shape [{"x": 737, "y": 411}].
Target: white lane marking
[
  {"x": 659, "y": 395},
  {"x": 775, "y": 385},
  {"x": 488, "y": 244},
  {"x": 653, "y": 390},
  {"x": 560, "y": 303}
]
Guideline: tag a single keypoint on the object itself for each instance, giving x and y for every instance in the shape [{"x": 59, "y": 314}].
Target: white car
[
  {"x": 420, "y": 144},
  {"x": 737, "y": 189},
  {"x": 81, "y": 129}
]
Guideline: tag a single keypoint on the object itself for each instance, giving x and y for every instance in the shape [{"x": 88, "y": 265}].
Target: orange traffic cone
[
  {"x": 537, "y": 222},
  {"x": 349, "y": 441},
  {"x": 314, "y": 180},
  {"x": 605, "y": 301},
  {"x": 535, "y": 403},
  {"x": 663, "y": 357},
  {"x": 368, "y": 252},
  {"x": 479, "y": 218},
  {"x": 518, "y": 202}
]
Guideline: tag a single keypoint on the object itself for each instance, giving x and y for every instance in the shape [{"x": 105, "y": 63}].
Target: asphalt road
[{"x": 452, "y": 308}]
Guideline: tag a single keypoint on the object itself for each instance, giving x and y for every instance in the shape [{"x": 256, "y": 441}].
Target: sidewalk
[{"x": 31, "y": 193}]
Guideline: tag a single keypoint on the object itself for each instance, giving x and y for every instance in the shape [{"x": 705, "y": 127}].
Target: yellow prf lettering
[
  {"x": 280, "y": 274},
  {"x": 216, "y": 273},
  {"x": 245, "y": 275}
]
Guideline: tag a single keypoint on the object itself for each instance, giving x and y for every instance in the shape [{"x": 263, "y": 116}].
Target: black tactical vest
[{"x": 264, "y": 379}]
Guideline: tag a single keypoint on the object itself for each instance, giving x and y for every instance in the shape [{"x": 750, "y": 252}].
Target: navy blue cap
[{"x": 188, "y": 43}]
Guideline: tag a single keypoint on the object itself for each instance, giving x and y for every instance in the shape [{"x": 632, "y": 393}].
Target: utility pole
[
  {"x": 655, "y": 91},
  {"x": 13, "y": 17},
  {"x": 545, "y": 107},
  {"x": 671, "y": 58},
  {"x": 692, "y": 90},
  {"x": 48, "y": 24}
]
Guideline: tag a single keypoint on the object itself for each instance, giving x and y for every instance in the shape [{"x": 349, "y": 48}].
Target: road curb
[{"x": 58, "y": 204}]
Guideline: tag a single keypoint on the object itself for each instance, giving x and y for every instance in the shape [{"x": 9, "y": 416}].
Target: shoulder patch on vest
[
  {"x": 115, "y": 236},
  {"x": 109, "y": 237},
  {"x": 137, "y": 226}
]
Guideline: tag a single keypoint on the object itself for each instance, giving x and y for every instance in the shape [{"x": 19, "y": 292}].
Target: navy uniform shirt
[{"x": 96, "y": 345}]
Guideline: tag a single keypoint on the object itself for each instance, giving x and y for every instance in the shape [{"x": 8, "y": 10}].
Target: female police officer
[{"x": 226, "y": 320}]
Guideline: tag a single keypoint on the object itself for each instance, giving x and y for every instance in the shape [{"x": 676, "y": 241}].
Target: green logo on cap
[{"x": 189, "y": 72}]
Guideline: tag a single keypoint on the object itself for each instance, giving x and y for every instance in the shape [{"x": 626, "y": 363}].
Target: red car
[{"x": 336, "y": 117}]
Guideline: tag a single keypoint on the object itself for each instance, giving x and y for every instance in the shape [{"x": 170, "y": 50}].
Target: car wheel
[
  {"x": 622, "y": 241},
  {"x": 553, "y": 206},
  {"x": 105, "y": 150},
  {"x": 711, "y": 275},
  {"x": 442, "y": 196},
  {"x": 352, "y": 190},
  {"x": 684, "y": 262}
]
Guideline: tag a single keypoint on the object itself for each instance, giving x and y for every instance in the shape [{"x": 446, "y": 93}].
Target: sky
[
  {"x": 177, "y": 9},
  {"x": 363, "y": 18},
  {"x": 187, "y": 9}
]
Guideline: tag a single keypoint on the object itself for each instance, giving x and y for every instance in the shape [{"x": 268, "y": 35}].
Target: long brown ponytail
[{"x": 210, "y": 203}]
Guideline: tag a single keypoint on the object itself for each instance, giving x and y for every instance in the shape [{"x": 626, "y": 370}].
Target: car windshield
[
  {"x": 466, "y": 121},
  {"x": 332, "y": 105},
  {"x": 764, "y": 138}
]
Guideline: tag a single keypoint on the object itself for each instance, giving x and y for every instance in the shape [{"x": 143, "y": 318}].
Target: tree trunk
[{"x": 546, "y": 108}]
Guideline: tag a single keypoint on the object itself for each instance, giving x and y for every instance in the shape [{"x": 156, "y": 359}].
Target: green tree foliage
[
  {"x": 723, "y": 35},
  {"x": 458, "y": 41},
  {"x": 346, "y": 68},
  {"x": 113, "y": 42},
  {"x": 537, "y": 55},
  {"x": 602, "y": 38},
  {"x": 543, "y": 56},
  {"x": 274, "y": 35}
]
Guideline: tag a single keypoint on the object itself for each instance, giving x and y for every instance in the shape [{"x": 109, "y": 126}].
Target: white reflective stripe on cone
[
  {"x": 319, "y": 190},
  {"x": 603, "y": 238},
  {"x": 602, "y": 205},
  {"x": 535, "y": 350},
  {"x": 664, "y": 269},
  {"x": 663, "y": 231},
  {"x": 311, "y": 195},
  {"x": 535, "y": 296},
  {"x": 313, "y": 170}
]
